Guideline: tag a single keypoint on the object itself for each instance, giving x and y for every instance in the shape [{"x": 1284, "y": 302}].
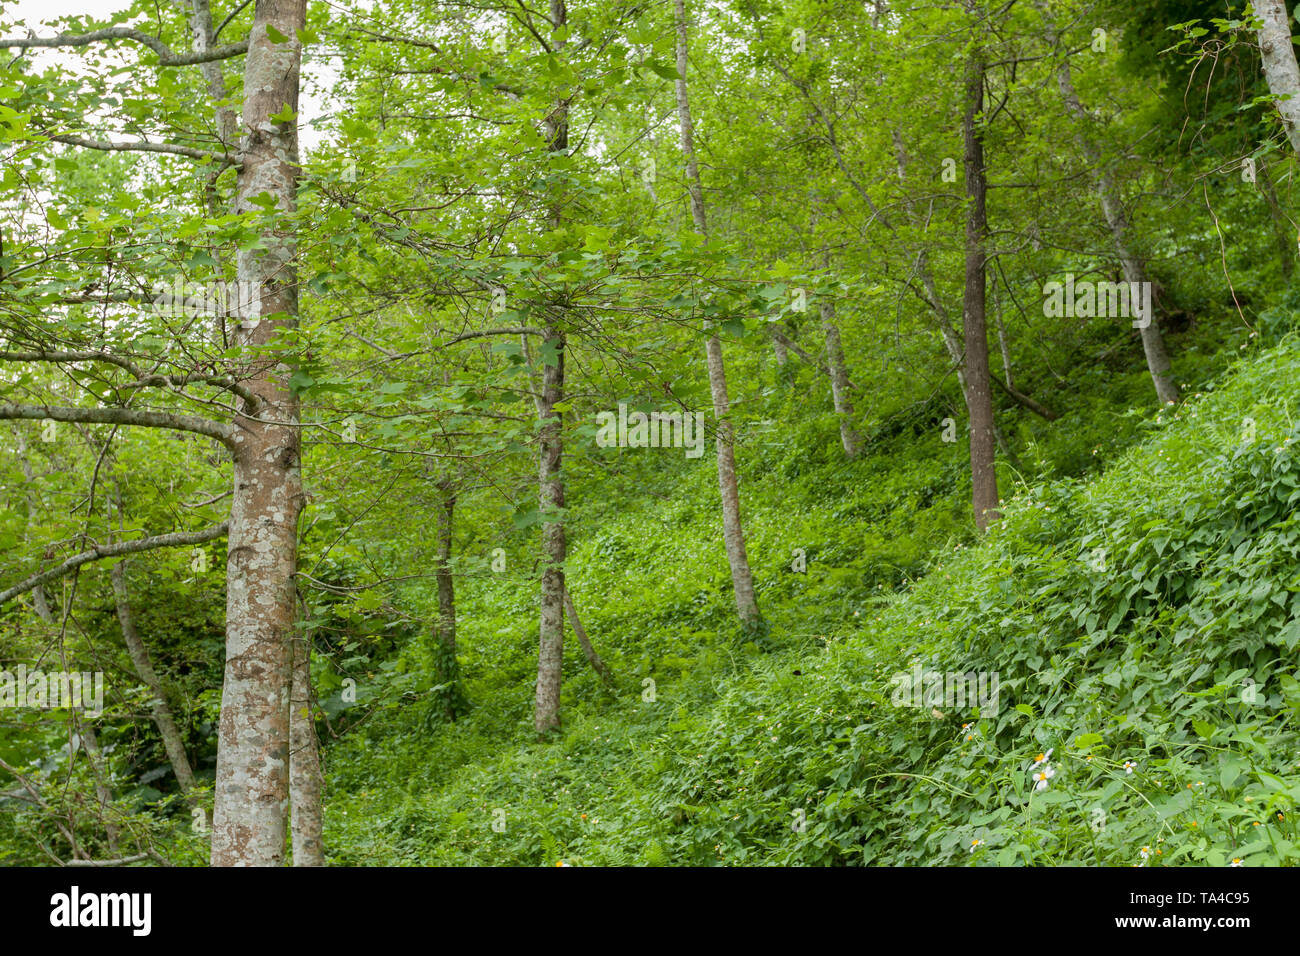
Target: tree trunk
[
  {"x": 1280, "y": 67},
  {"x": 1153, "y": 343},
  {"x": 451, "y": 698},
  {"x": 446, "y": 584},
  {"x": 742, "y": 580},
  {"x": 1282, "y": 234},
  {"x": 306, "y": 782},
  {"x": 979, "y": 395},
  {"x": 103, "y": 793},
  {"x": 550, "y": 484},
  {"x": 841, "y": 388},
  {"x": 779, "y": 350},
  {"x": 173, "y": 742},
  {"x": 252, "y": 781},
  {"x": 550, "y": 480},
  {"x": 593, "y": 658},
  {"x": 213, "y": 73}
]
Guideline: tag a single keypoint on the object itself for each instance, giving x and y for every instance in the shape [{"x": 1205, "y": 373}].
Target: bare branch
[
  {"x": 100, "y": 552},
  {"x": 465, "y": 336},
  {"x": 785, "y": 340},
  {"x": 230, "y": 16},
  {"x": 126, "y": 859},
  {"x": 143, "y": 147},
  {"x": 44, "y": 356},
  {"x": 142, "y": 380},
  {"x": 1021, "y": 398},
  {"x": 122, "y": 416},
  {"x": 166, "y": 56}
]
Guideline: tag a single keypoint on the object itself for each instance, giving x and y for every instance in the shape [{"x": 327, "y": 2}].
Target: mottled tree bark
[
  {"x": 742, "y": 579},
  {"x": 1280, "y": 68},
  {"x": 550, "y": 480},
  {"x": 979, "y": 396},
  {"x": 252, "y": 781},
  {"x": 550, "y": 483}
]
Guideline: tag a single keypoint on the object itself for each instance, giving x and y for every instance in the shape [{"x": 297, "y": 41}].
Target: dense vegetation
[{"x": 498, "y": 230}]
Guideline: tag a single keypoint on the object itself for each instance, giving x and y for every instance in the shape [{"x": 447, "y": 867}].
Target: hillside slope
[{"x": 1139, "y": 630}]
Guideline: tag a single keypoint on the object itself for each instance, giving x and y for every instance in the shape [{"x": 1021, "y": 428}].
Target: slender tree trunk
[
  {"x": 306, "y": 782},
  {"x": 1282, "y": 229},
  {"x": 550, "y": 484},
  {"x": 742, "y": 580},
  {"x": 38, "y": 593},
  {"x": 779, "y": 350},
  {"x": 841, "y": 387},
  {"x": 979, "y": 396},
  {"x": 443, "y": 575},
  {"x": 551, "y": 501},
  {"x": 448, "y": 670},
  {"x": 213, "y": 73},
  {"x": 1280, "y": 68},
  {"x": 550, "y": 479},
  {"x": 173, "y": 742},
  {"x": 103, "y": 792},
  {"x": 1005, "y": 349},
  {"x": 201, "y": 30},
  {"x": 593, "y": 658},
  {"x": 1153, "y": 343},
  {"x": 252, "y": 781}
]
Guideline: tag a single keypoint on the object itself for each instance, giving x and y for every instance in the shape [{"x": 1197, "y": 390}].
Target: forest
[{"x": 649, "y": 433}]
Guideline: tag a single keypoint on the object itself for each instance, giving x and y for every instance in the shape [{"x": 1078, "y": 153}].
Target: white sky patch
[{"x": 39, "y": 15}]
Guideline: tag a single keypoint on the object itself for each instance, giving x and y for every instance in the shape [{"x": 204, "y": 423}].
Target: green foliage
[{"x": 1176, "y": 658}]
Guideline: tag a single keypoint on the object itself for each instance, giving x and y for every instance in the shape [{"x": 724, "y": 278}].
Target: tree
[
  {"x": 979, "y": 397},
  {"x": 1280, "y": 69},
  {"x": 733, "y": 532}
]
